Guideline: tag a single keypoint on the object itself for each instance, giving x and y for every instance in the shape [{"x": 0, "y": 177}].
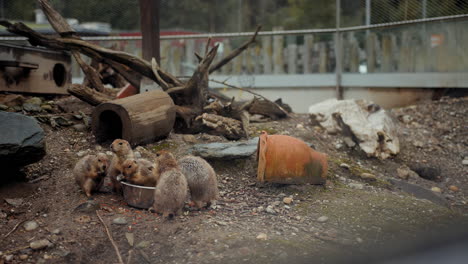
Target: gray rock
[
  {"x": 34, "y": 100},
  {"x": 56, "y": 231},
  {"x": 367, "y": 176},
  {"x": 226, "y": 151},
  {"x": 322, "y": 219},
  {"x": 46, "y": 107},
  {"x": 30, "y": 225},
  {"x": 465, "y": 162},
  {"x": 21, "y": 140},
  {"x": 357, "y": 186},
  {"x": 270, "y": 210},
  {"x": 14, "y": 201},
  {"x": 3, "y": 107},
  {"x": 426, "y": 172},
  {"x": 81, "y": 153},
  {"x": 29, "y": 107},
  {"x": 9, "y": 257},
  {"x": 120, "y": 221},
  {"x": 89, "y": 206},
  {"x": 143, "y": 244},
  {"x": 40, "y": 244},
  {"x": 80, "y": 127}
]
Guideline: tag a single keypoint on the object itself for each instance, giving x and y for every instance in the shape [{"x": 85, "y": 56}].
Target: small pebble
[
  {"x": 287, "y": 200},
  {"x": 40, "y": 244},
  {"x": 9, "y": 258},
  {"x": 56, "y": 231},
  {"x": 453, "y": 188},
  {"x": 465, "y": 162},
  {"x": 322, "y": 219},
  {"x": 436, "y": 189},
  {"x": 368, "y": 176},
  {"x": 119, "y": 221},
  {"x": 359, "y": 240},
  {"x": 30, "y": 225},
  {"x": 23, "y": 257},
  {"x": 262, "y": 236},
  {"x": 357, "y": 186},
  {"x": 270, "y": 210},
  {"x": 344, "y": 165}
]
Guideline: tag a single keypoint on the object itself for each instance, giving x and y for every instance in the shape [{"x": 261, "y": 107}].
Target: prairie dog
[
  {"x": 140, "y": 172},
  {"x": 201, "y": 180},
  {"x": 171, "y": 190},
  {"x": 90, "y": 171},
  {"x": 122, "y": 151}
]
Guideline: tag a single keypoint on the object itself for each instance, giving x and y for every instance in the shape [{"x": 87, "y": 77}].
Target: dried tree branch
[
  {"x": 111, "y": 239},
  {"x": 235, "y": 52},
  {"x": 14, "y": 228},
  {"x": 92, "y": 75},
  {"x": 254, "y": 93},
  {"x": 88, "y": 95},
  {"x": 155, "y": 68}
]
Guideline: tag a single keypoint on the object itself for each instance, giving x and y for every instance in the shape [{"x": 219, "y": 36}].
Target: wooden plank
[
  {"x": 267, "y": 54},
  {"x": 278, "y": 62},
  {"x": 323, "y": 57},
  {"x": 371, "y": 52},
  {"x": 307, "y": 53},
  {"x": 292, "y": 55},
  {"x": 387, "y": 53},
  {"x": 149, "y": 21}
]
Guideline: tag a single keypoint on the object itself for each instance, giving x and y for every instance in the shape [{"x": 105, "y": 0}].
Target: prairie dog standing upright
[
  {"x": 122, "y": 151},
  {"x": 171, "y": 190},
  {"x": 90, "y": 172},
  {"x": 201, "y": 180},
  {"x": 140, "y": 172}
]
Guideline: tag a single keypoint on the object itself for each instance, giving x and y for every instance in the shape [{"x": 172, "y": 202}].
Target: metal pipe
[
  {"x": 339, "y": 90},
  {"x": 278, "y": 32}
]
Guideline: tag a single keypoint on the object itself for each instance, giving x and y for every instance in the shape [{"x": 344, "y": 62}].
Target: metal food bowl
[{"x": 138, "y": 196}]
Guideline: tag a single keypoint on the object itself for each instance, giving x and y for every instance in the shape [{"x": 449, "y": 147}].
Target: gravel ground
[{"x": 252, "y": 222}]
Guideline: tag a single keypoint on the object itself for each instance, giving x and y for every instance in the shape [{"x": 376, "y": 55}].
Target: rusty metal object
[
  {"x": 288, "y": 160},
  {"x": 138, "y": 196},
  {"x": 139, "y": 119},
  {"x": 34, "y": 70}
]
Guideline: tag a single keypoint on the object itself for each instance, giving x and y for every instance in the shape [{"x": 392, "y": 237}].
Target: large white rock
[{"x": 364, "y": 123}]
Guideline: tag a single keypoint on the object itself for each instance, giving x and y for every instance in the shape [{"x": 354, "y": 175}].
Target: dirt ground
[{"x": 349, "y": 217}]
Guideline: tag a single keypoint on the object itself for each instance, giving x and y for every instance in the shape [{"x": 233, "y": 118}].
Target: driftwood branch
[
  {"x": 88, "y": 95},
  {"x": 56, "y": 20},
  {"x": 220, "y": 125},
  {"x": 254, "y": 93},
  {"x": 111, "y": 239},
  {"x": 155, "y": 68},
  {"x": 235, "y": 52},
  {"x": 92, "y": 75}
]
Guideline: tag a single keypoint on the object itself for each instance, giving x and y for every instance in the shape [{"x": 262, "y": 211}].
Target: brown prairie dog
[
  {"x": 171, "y": 190},
  {"x": 90, "y": 172},
  {"x": 140, "y": 172},
  {"x": 122, "y": 151},
  {"x": 201, "y": 180}
]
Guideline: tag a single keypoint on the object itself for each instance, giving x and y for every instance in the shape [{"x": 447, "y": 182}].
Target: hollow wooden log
[{"x": 139, "y": 119}]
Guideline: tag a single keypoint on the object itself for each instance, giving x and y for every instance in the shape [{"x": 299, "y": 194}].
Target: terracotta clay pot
[{"x": 288, "y": 160}]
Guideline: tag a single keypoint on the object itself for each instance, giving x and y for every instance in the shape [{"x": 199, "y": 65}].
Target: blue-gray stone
[
  {"x": 21, "y": 140},
  {"x": 226, "y": 151}
]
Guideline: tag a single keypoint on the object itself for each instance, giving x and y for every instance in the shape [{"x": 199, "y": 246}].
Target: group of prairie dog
[{"x": 172, "y": 178}]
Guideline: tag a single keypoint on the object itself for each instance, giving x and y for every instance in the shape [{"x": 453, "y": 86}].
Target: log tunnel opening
[{"x": 109, "y": 128}]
